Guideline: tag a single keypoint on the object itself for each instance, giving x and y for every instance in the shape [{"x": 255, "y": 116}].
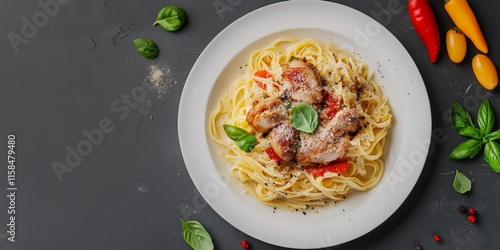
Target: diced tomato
[
  {"x": 330, "y": 112},
  {"x": 333, "y": 167},
  {"x": 262, "y": 74},
  {"x": 261, "y": 85},
  {"x": 331, "y": 105},
  {"x": 275, "y": 157}
]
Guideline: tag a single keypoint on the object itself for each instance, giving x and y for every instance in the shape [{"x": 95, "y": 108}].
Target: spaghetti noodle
[{"x": 287, "y": 183}]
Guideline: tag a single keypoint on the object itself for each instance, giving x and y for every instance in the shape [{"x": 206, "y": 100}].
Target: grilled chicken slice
[
  {"x": 331, "y": 141},
  {"x": 346, "y": 120},
  {"x": 284, "y": 140},
  {"x": 302, "y": 82},
  {"x": 266, "y": 114},
  {"x": 314, "y": 150}
]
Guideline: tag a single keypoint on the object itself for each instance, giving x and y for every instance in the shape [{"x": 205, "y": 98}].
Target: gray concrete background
[{"x": 73, "y": 72}]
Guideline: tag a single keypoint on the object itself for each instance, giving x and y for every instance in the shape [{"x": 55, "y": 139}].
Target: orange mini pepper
[{"x": 464, "y": 18}]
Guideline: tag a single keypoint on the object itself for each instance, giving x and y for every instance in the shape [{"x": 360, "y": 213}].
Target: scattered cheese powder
[{"x": 160, "y": 79}]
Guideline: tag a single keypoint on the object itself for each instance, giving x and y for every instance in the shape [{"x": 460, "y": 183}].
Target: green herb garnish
[
  {"x": 171, "y": 18},
  {"x": 196, "y": 235},
  {"x": 480, "y": 135},
  {"x": 244, "y": 140},
  {"x": 146, "y": 47},
  {"x": 461, "y": 183},
  {"x": 462, "y": 122},
  {"x": 304, "y": 118},
  {"x": 467, "y": 149},
  {"x": 492, "y": 155}
]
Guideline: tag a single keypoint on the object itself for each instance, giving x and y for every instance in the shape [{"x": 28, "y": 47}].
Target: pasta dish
[{"x": 303, "y": 125}]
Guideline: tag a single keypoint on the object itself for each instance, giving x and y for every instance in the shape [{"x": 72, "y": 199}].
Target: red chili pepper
[
  {"x": 334, "y": 167},
  {"x": 425, "y": 24},
  {"x": 275, "y": 157}
]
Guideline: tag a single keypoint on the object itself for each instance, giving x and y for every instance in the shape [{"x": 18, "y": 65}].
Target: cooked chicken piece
[
  {"x": 346, "y": 120},
  {"x": 284, "y": 139},
  {"x": 331, "y": 141},
  {"x": 302, "y": 82},
  {"x": 266, "y": 114},
  {"x": 315, "y": 150}
]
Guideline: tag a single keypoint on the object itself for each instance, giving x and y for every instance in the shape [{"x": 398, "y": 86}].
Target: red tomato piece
[
  {"x": 262, "y": 74},
  {"x": 333, "y": 167},
  {"x": 331, "y": 105},
  {"x": 275, "y": 157}
]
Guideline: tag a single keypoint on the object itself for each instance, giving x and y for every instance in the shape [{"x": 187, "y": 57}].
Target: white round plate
[{"x": 404, "y": 155}]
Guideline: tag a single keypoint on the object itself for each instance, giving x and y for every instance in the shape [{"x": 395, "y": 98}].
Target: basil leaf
[
  {"x": 244, "y": 140},
  {"x": 171, "y": 18},
  {"x": 460, "y": 118},
  {"x": 472, "y": 132},
  {"x": 304, "y": 118},
  {"x": 247, "y": 143},
  {"x": 492, "y": 136},
  {"x": 492, "y": 155},
  {"x": 461, "y": 183},
  {"x": 146, "y": 47},
  {"x": 196, "y": 235},
  {"x": 485, "y": 117},
  {"x": 466, "y": 149},
  {"x": 293, "y": 58}
]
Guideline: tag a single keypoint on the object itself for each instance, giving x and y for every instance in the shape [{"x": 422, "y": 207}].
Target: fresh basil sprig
[
  {"x": 171, "y": 18},
  {"x": 461, "y": 183},
  {"x": 492, "y": 155},
  {"x": 303, "y": 117},
  {"x": 493, "y": 136},
  {"x": 196, "y": 235},
  {"x": 485, "y": 117},
  {"x": 244, "y": 140},
  {"x": 146, "y": 47},
  {"x": 466, "y": 149},
  {"x": 462, "y": 122},
  {"x": 460, "y": 118},
  {"x": 481, "y": 135}
]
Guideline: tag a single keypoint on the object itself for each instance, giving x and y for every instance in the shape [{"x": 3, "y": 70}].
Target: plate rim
[{"x": 182, "y": 129}]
